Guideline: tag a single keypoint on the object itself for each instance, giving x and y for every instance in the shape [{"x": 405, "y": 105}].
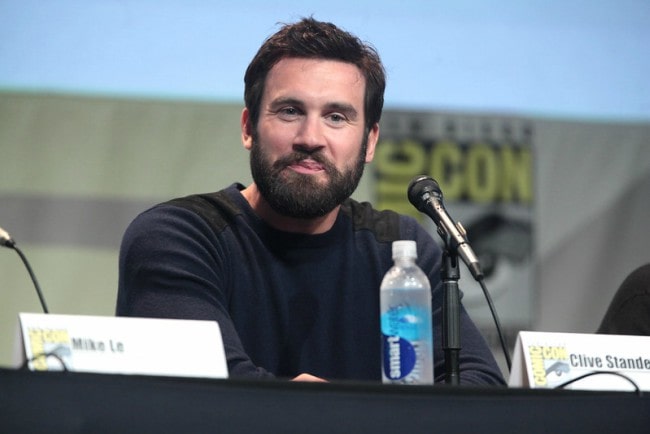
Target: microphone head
[
  {"x": 420, "y": 187},
  {"x": 5, "y": 239}
]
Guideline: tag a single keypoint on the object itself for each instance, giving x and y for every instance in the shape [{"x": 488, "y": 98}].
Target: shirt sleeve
[{"x": 171, "y": 265}]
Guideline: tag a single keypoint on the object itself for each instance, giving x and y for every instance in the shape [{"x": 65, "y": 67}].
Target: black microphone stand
[{"x": 450, "y": 274}]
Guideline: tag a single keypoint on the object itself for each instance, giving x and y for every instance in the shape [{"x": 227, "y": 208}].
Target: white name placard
[
  {"x": 549, "y": 360},
  {"x": 145, "y": 346}
]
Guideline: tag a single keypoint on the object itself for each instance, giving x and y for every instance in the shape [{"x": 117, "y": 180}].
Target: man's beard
[{"x": 298, "y": 195}]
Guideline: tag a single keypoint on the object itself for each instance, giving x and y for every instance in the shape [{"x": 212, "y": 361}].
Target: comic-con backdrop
[{"x": 556, "y": 209}]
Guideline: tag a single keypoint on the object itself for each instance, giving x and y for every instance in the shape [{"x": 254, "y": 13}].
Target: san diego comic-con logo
[{"x": 549, "y": 364}]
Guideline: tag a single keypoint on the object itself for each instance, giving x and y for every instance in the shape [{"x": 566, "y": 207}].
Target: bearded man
[{"x": 290, "y": 266}]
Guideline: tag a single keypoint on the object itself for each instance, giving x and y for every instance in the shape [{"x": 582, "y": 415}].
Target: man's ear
[
  {"x": 373, "y": 138},
  {"x": 246, "y": 129}
]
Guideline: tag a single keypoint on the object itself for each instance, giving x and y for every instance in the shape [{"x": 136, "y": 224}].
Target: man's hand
[{"x": 309, "y": 377}]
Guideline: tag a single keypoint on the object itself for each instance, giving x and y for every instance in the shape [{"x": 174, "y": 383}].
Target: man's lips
[{"x": 307, "y": 166}]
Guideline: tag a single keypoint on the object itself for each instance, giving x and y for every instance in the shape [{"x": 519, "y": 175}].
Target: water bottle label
[
  {"x": 399, "y": 357},
  {"x": 403, "y": 329}
]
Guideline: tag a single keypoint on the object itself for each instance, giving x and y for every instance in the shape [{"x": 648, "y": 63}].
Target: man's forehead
[
  {"x": 291, "y": 77},
  {"x": 307, "y": 64}
]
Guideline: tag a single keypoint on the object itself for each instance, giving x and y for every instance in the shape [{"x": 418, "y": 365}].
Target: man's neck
[{"x": 262, "y": 208}]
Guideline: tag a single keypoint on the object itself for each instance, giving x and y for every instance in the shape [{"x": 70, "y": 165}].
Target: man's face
[{"x": 309, "y": 147}]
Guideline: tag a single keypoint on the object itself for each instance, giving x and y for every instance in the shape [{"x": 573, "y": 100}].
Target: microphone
[
  {"x": 424, "y": 194},
  {"x": 7, "y": 241}
]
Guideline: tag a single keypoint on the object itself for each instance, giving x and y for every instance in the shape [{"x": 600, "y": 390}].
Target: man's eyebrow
[
  {"x": 347, "y": 109},
  {"x": 285, "y": 101}
]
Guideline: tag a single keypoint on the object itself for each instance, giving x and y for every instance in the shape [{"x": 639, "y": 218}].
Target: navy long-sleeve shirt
[{"x": 286, "y": 303}]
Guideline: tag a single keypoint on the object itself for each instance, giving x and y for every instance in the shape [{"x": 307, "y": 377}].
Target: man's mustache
[{"x": 298, "y": 156}]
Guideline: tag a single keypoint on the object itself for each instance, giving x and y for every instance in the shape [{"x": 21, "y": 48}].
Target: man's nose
[{"x": 310, "y": 134}]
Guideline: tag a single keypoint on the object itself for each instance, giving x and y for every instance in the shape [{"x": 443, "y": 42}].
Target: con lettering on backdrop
[{"x": 484, "y": 166}]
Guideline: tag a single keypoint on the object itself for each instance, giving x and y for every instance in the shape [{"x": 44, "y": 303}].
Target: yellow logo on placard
[
  {"x": 45, "y": 342},
  {"x": 547, "y": 360}
]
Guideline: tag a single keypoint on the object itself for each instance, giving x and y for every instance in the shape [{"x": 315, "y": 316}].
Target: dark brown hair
[{"x": 313, "y": 39}]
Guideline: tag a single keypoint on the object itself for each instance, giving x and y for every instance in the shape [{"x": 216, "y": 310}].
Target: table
[{"x": 67, "y": 402}]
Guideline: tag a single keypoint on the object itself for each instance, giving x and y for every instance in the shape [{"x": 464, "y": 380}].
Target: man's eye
[
  {"x": 336, "y": 117},
  {"x": 289, "y": 111}
]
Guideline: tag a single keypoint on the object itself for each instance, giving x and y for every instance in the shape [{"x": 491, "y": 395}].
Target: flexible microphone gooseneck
[
  {"x": 425, "y": 195},
  {"x": 7, "y": 241}
]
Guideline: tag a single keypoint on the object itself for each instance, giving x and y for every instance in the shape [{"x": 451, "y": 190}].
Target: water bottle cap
[{"x": 404, "y": 248}]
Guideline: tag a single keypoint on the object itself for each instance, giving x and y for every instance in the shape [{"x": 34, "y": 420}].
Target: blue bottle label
[
  {"x": 399, "y": 357},
  {"x": 403, "y": 329}
]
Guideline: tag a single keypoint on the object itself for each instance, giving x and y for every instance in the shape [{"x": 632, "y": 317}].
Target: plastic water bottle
[{"x": 406, "y": 325}]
